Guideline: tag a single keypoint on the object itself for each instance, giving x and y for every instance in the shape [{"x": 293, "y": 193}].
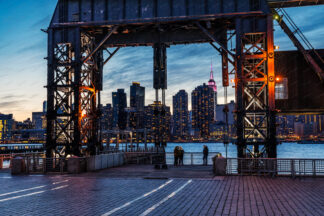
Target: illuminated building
[
  {"x": 137, "y": 99},
  {"x": 202, "y": 100},
  {"x": 158, "y": 125},
  {"x": 119, "y": 100},
  {"x": 6, "y": 124},
  {"x": 106, "y": 120},
  {"x": 37, "y": 119},
  {"x": 180, "y": 114},
  {"x": 212, "y": 85}
]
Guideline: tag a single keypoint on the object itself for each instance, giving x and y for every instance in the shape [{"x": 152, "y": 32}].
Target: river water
[{"x": 285, "y": 150}]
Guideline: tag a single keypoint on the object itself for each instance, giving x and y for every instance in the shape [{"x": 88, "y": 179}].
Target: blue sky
[{"x": 23, "y": 48}]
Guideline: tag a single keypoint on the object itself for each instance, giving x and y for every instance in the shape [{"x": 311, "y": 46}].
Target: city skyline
[{"x": 188, "y": 66}]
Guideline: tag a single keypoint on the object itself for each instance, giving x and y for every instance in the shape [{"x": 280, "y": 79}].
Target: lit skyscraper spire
[
  {"x": 211, "y": 82},
  {"x": 212, "y": 85}
]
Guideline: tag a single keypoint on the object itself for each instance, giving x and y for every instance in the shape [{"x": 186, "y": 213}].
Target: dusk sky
[{"x": 23, "y": 70}]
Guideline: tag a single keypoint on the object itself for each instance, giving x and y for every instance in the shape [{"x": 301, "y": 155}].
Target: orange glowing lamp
[
  {"x": 83, "y": 114},
  {"x": 278, "y": 79}
]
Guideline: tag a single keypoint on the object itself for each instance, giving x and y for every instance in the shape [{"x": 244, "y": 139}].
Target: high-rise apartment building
[
  {"x": 180, "y": 115},
  {"x": 106, "y": 119},
  {"x": 137, "y": 101},
  {"x": 119, "y": 100},
  {"x": 202, "y": 100},
  {"x": 157, "y": 121},
  {"x": 137, "y": 96}
]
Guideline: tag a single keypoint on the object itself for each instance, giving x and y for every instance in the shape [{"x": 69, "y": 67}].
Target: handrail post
[
  {"x": 314, "y": 167},
  {"x": 292, "y": 162}
]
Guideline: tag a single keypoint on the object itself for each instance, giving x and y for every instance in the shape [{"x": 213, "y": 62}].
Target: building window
[{"x": 281, "y": 89}]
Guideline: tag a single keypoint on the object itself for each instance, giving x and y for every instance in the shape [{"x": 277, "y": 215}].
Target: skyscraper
[
  {"x": 202, "y": 100},
  {"x": 212, "y": 85},
  {"x": 137, "y": 96},
  {"x": 180, "y": 114},
  {"x": 137, "y": 100},
  {"x": 119, "y": 104}
]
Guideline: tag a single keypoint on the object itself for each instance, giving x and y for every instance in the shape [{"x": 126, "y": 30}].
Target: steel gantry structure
[{"x": 82, "y": 31}]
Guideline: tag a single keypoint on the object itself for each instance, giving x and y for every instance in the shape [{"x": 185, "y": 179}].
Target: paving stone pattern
[{"x": 96, "y": 194}]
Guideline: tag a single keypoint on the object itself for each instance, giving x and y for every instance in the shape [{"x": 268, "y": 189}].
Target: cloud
[
  {"x": 31, "y": 47},
  {"x": 41, "y": 23},
  {"x": 10, "y": 104}
]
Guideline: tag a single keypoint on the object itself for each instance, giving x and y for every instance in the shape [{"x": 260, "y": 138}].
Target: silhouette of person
[
  {"x": 176, "y": 155},
  {"x": 205, "y": 152}
]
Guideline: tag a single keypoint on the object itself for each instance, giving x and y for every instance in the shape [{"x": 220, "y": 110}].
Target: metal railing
[
  {"x": 191, "y": 158},
  {"x": 279, "y": 166},
  {"x": 45, "y": 165}
]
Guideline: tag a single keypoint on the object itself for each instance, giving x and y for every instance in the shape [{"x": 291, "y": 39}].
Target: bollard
[{"x": 18, "y": 166}]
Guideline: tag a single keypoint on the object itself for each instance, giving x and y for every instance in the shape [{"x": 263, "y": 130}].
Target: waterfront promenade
[{"x": 141, "y": 190}]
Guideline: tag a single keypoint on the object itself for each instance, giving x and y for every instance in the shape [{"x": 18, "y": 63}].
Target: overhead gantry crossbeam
[{"x": 293, "y": 3}]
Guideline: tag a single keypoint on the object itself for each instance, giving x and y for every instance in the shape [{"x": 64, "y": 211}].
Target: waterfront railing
[
  {"x": 274, "y": 166},
  {"x": 192, "y": 158}
]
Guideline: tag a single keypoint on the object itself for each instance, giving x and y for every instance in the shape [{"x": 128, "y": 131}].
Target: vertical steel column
[
  {"x": 271, "y": 144},
  {"x": 240, "y": 111},
  {"x": 160, "y": 82},
  {"x": 76, "y": 106},
  {"x": 50, "y": 114}
]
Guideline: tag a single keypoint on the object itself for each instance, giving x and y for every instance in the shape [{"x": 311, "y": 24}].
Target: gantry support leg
[
  {"x": 74, "y": 83},
  {"x": 255, "y": 87},
  {"x": 160, "y": 82}
]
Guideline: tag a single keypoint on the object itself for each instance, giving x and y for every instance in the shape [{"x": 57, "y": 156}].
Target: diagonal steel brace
[{"x": 100, "y": 44}]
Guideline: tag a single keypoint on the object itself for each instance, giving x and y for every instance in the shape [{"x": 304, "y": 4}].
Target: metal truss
[
  {"x": 255, "y": 82},
  {"x": 74, "y": 84},
  {"x": 90, "y": 81}
]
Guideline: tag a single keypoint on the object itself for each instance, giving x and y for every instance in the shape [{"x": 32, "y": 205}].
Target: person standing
[
  {"x": 205, "y": 152},
  {"x": 176, "y": 155}
]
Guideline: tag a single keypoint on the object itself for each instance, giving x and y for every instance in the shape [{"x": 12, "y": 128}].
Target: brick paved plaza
[{"x": 148, "y": 192}]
